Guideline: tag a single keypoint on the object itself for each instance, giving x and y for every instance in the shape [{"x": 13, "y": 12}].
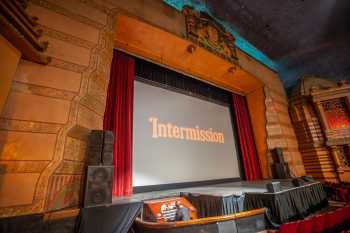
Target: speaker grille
[{"x": 98, "y": 189}]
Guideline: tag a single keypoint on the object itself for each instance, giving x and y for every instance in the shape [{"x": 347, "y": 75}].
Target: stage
[
  {"x": 221, "y": 189},
  {"x": 228, "y": 198},
  {"x": 214, "y": 200}
]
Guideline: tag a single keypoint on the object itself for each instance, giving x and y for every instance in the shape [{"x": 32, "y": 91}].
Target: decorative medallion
[{"x": 204, "y": 31}]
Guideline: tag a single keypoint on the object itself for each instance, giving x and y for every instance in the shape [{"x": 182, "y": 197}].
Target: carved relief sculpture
[{"x": 204, "y": 31}]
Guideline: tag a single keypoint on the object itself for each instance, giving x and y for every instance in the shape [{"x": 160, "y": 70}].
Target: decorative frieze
[
  {"x": 29, "y": 126},
  {"x": 22, "y": 166},
  {"x": 42, "y": 91},
  {"x": 205, "y": 32}
]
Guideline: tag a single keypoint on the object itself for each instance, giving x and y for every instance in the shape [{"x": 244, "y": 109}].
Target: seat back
[
  {"x": 318, "y": 223},
  {"x": 290, "y": 227},
  {"x": 330, "y": 220},
  {"x": 347, "y": 213},
  {"x": 304, "y": 226},
  {"x": 340, "y": 215}
]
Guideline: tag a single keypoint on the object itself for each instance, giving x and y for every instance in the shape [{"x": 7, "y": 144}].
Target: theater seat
[
  {"x": 291, "y": 227},
  {"x": 304, "y": 226},
  {"x": 318, "y": 223},
  {"x": 339, "y": 216},
  {"x": 347, "y": 212},
  {"x": 330, "y": 220},
  {"x": 342, "y": 194},
  {"x": 346, "y": 218}
]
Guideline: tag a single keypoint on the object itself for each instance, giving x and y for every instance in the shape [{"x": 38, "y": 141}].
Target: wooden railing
[{"x": 199, "y": 221}]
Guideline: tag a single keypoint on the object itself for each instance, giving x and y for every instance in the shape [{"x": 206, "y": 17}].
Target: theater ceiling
[{"x": 299, "y": 36}]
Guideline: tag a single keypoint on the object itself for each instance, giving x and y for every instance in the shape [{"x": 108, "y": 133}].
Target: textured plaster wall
[
  {"x": 279, "y": 130},
  {"x": 50, "y": 108}
]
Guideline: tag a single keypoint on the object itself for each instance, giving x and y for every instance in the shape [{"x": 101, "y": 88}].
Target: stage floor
[{"x": 223, "y": 189}]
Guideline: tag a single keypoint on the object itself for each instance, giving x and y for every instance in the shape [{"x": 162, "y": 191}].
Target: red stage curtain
[
  {"x": 246, "y": 139},
  {"x": 119, "y": 119}
]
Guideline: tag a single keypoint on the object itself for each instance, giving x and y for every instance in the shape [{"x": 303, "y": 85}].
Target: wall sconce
[
  {"x": 232, "y": 69},
  {"x": 191, "y": 48},
  {"x": 342, "y": 83}
]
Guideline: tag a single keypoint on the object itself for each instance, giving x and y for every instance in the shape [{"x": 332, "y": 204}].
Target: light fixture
[
  {"x": 191, "y": 48},
  {"x": 232, "y": 69},
  {"x": 342, "y": 83}
]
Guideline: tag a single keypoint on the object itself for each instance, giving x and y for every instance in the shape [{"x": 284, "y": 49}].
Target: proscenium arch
[{"x": 161, "y": 47}]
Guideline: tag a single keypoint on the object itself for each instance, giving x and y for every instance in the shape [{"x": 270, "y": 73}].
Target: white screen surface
[{"x": 178, "y": 138}]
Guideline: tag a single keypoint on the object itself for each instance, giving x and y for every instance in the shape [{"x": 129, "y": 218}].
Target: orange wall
[
  {"x": 9, "y": 57},
  {"x": 50, "y": 108},
  {"x": 142, "y": 39},
  {"x": 256, "y": 106}
]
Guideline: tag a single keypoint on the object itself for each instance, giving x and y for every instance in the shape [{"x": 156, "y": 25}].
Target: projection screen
[{"x": 178, "y": 138}]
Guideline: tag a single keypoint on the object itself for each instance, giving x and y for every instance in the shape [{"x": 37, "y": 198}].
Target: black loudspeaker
[
  {"x": 108, "y": 145},
  {"x": 308, "y": 178},
  {"x": 95, "y": 146},
  {"x": 298, "y": 182},
  {"x": 273, "y": 187},
  {"x": 98, "y": 188},
  {"x": 280, "y": 171},
  {"x": 100, "y": 148},
  {"x": 277, "y": 155}
]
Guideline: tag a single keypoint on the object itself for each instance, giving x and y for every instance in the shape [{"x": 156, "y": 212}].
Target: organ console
[
  {"x": 158, "y": 216},
  {"x": 164, "y": 210}
]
